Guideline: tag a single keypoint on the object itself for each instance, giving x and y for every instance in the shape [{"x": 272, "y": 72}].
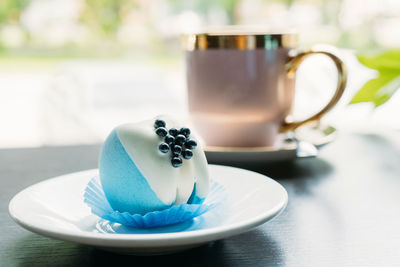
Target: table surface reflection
[{"x": 344, "y": 210}]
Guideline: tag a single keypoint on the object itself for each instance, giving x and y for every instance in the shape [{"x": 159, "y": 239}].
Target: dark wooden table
[{"x": 344, "y": 210}]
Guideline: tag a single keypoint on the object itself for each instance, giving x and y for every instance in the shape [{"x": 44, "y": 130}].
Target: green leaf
[
  {"x": 387, "y": 91},
  {"x": 378, "y": 90},
  {"x": 382, "y": 88},
  {"x": 388, "y": 61}
]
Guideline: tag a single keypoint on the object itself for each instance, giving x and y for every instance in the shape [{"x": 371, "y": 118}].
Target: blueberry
[
  {"x": 180, "y": 139},
  {"x": 174, "y": 154},
  {"x": 177, "y": 149},
  {"x": 169, "y": 139},
  {"x": 185, "y": 131},
  {"x": 176, "y": 162},
  {"x": 159, "y": 123},
  {"x": 161, "y": 131},
  {"x": 163, "y": 147},
  {"x": 173, "y": 132},
  {"x": 191, "y": 144},
  {"x": 187, "y": 154}
]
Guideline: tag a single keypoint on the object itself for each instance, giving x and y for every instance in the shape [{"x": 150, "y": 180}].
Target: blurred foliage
[
  {"x": 105, "y": 16},
  {"x": 102, "y": 24},
  {"x": 380, "y": 89},
  {"x": 10, "y": 10},
  {"x": 204, "y": 6}
]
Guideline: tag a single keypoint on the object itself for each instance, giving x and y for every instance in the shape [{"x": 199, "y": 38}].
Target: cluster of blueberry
[{"x": 177, "y": 141}]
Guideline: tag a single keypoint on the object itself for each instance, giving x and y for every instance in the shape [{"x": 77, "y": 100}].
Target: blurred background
[{"x": 70, "y": 70}]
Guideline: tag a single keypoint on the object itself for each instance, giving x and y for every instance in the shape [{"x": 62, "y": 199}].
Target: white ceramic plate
[
  {"x": 302, "y": 143},
  {"x": 55, "y": 208}
]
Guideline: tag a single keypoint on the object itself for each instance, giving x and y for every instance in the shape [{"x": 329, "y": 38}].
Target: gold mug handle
[{"x": 292, "y": 66}]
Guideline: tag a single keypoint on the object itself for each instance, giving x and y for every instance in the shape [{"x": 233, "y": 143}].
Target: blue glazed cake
[{"x": 152, "y": 165}]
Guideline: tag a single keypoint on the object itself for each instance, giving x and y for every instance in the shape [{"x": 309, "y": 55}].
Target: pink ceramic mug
[{"x": 241, "y": 86}]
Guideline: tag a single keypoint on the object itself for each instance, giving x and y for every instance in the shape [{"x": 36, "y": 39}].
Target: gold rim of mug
[{"x": 229, "y": 40}]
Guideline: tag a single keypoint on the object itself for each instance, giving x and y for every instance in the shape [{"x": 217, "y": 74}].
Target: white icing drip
[
  {"x": 171, "y": 185},
  {"x": 185, "y": 181},
  {"x": 201, "y": 173}
]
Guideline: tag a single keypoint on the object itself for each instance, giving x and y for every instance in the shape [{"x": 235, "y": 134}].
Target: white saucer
[
  {"x": 55, "y": 208},
  {"x": 302, "y": 143}
]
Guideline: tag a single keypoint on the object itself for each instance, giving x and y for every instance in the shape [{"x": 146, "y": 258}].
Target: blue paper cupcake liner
[{"x": 95, "y": 198}]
